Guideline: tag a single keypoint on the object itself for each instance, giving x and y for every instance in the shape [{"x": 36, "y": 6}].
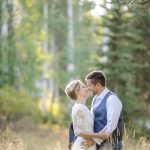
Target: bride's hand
[{"x": 87, "y": 143}]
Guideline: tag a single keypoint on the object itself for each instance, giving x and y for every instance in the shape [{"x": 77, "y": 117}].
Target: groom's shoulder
[{"x": 113, "y": 95}]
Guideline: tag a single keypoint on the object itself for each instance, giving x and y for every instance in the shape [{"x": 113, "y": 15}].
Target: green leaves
[{"x": 14, "y": 104}]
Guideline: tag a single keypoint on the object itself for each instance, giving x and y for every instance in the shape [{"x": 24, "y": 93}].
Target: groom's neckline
[{"x": 103, "y": 93}]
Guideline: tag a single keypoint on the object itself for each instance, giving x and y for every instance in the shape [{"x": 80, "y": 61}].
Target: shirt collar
[{"x": 103, "y": 93}]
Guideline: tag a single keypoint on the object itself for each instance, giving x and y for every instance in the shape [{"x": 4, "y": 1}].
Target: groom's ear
[{"x": 98, "y": 84}]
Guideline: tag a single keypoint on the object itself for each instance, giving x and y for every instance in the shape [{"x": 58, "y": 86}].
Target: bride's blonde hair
[{"x": 71, "y": 89}]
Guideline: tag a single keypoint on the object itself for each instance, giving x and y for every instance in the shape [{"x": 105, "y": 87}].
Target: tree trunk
[
  {"x": 45, "y": 66},
  {"x": 4, "y": 44},
  {"x": 11, "y": 44},
  {"x": 71, "y": 52},
  {"x": 53, "y": 87},
  {"x": 50, "y": 88}
]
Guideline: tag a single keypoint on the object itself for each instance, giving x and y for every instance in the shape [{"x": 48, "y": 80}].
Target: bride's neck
[{"x": 81, "y": 100}]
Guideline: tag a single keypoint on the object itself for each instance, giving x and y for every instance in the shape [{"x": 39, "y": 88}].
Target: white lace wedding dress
[{"x": 82, "y": 121}]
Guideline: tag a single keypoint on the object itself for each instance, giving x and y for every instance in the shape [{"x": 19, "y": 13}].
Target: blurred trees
[
  {"x": 124, "y": 56},
  {"x": 18, "y": 59}
]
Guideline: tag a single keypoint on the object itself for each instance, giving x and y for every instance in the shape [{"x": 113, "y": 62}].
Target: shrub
[{"x": 15, "y": 104}]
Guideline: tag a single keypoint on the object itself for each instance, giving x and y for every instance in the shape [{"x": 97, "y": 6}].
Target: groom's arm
[
  {"x": 113, "y": 107},
  {"x": 101, "y": 135},
  {"x": 92, "y": 138}
]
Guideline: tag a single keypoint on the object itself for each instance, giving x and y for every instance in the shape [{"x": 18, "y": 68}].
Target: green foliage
[
  {"x": 15, "y": 104},
  {"x": 143, "y": 5},
  {"x": 57, "y": 114},
  {"x": 125, "y": 68}
]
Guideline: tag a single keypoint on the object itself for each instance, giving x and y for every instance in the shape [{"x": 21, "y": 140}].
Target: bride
[{"x": 81, "y": 116}]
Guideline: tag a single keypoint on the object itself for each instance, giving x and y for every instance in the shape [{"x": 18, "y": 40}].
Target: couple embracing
[{"x": 100, "y": 128}]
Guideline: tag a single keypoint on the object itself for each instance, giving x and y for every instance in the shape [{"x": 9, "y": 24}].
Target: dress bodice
[{"x": 82, "y": 121}]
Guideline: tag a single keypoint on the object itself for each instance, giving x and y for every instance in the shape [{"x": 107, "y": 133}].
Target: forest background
[{"x": 45, "y": 44}]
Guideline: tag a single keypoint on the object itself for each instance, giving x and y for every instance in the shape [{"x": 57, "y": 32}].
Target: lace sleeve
[{"x": 78, "y": 122}]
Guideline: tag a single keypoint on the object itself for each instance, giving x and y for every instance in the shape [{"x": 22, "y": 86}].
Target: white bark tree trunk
[
  {"x": 80, "y": 11},
  {"x": 49, "y": 84},
  {"x": 53, "y": 89},
  {"x": 45, "y": 66},
  {"x": 71, "y": 52},
  {"x": 4, "y": 34},
  {"x": 70, "y": 45}
]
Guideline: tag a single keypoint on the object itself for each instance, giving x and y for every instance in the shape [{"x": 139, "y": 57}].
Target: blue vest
[{"x": 100, "y": 121}]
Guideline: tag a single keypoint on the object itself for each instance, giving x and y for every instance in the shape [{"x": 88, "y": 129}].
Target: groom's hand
[{"x": 87, "y": 143}]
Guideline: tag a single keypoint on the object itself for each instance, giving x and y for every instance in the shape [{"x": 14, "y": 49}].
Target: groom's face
[{"x": 91, "y": 86}]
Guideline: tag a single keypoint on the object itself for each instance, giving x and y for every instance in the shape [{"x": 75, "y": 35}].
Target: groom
[{"x": 107, "y": 111}]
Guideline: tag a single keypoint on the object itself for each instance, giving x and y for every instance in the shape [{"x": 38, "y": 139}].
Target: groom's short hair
[{"x": 97, "y": 77}]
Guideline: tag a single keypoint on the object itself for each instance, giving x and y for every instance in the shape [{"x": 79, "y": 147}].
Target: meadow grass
[{"x": 34, "y": 137}]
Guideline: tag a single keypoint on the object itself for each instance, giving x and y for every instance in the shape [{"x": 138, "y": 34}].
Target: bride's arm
[
  {"x": 78, "y": 121},
  {"x": 101, "y": 135}
]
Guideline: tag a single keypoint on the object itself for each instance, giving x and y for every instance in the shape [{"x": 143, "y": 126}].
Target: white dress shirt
[{"x": 113, "y": 108}]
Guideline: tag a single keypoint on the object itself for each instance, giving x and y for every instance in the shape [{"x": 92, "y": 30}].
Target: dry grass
[
  {"x": 130, "y": 143},
  {"x": 25, "y": 135},
  {"x": 28, "y": 136},
  {"x": 11, "y": 141}
]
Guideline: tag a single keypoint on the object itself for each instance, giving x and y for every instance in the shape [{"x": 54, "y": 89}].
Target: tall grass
[
  {"x": 131, "y": 143},
  {"x": 10, "y": 140}
]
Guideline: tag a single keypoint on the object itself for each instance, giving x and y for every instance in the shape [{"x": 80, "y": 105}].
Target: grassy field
[{"x": 25, "y": 135}]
